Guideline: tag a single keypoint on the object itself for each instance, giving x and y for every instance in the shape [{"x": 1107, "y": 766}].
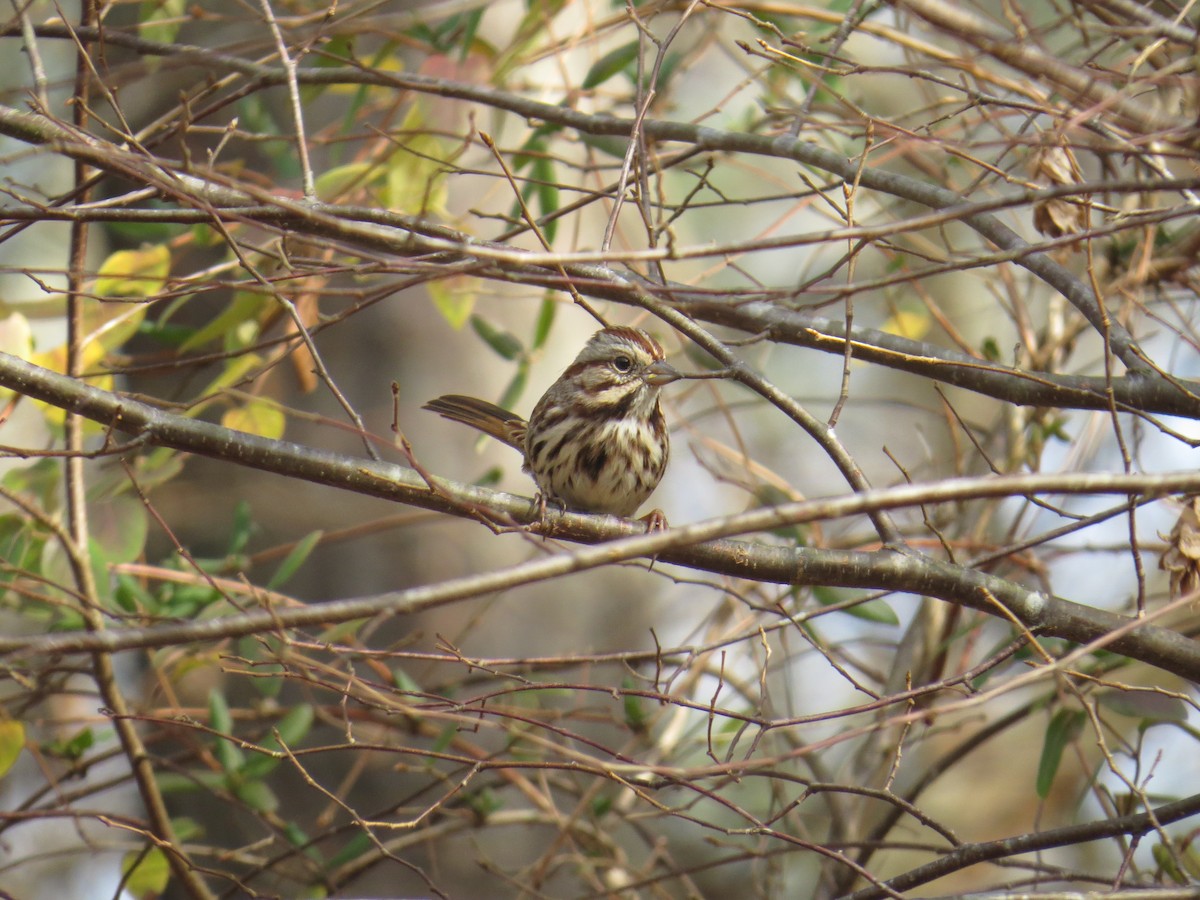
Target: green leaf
[
  {"x": 146, "y": 873},
  {"x": 189, "y": 783},
  {"x": 454, "y": 297},
  {"x": 456, "y": 33},
  {"x": 292, "y": 728},
  {"x": 1064, "y": 727},
  {"x": 610, "y": 64},
  {"x": 130, "y": 233},
  {"x": 229, "y": 756},
  {"x": 874, "y": 611},
  {"x": 230, "y": 374},
  {"x": 258, "y": 417},
  {"x": 541, "y": 330},
  {"x": 636, "y": 718},
  {"x": 130, "y": 596},
  {"x": 41, "y": 480},
  {"x": 516, "y": 387},
  {"x": 332, "y": 184},
  {"x": 266, "y": 686},
  {"x": 72, "y": 748},
  {"x": 294, "y": 560},
  {"x": 179, "y": 783},
  {"x": 245, "y": 307},
  {"x": 405, "y": 682},
  {"x": 359, "y": 844},
  {"x": 470, "y": 24},
  {"x": 435, "y": 38},
  {"x": 1166, "y": 861},
  {"x": 534, "y": 146},
  {"x": 21, "y": 545},
  {"x": 12, "y": 742},
  {"x": 186, "y": 828},
  {"x": 185, "y": 601},
  {"x": 538, "y": 14},
  {"x": 611, "y": 145},
  {"x": 491, "y": 477},
  {"x": 444, "y": 738},
  {"x": 545, "y": 186},
  {"x": 297, "y": 837},
  {"x": 504, "y": 343},
  {"x": 999, "y": 644},
  {"x": 485, "y": 802},
  {"x": 119, "y": 528},
  {"x": 241, "y": 529},
  {"x": 67, "y": 620},
  {"x": 134, "y": 273},
  {"x": 667, "y": 70},
  {"x": 257, "y": 796},
  {"x": 869, "y": 610},
  {"x": 336, "y": 633},
  {"x": 1055, "y": 428},
  {"x": 160, "y": 21},
  {"x": 415, "y": 174},
  {"x": 336, "y": 50},
  {"x": 1190, "y": 857},
  {"x": 768, "y": 495}
]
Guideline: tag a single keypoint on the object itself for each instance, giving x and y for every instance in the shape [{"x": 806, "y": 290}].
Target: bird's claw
[{"x": 656, "y": 520}]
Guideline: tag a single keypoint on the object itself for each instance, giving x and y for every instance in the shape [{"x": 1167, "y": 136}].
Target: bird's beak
[{"x": 661, "y": 373}]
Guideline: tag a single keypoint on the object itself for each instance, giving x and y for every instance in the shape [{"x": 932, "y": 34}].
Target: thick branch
[
  {"x": 1078, "y": 84},
  {"x": 968, "y": 855},
  {"x": 1146, "y": 390},
  {"x": 783, "y": 147},
  {"x": 1139, "y": 392},
  {"x": 700, "y": 546},
  {"x": 1142, "y": 392}
]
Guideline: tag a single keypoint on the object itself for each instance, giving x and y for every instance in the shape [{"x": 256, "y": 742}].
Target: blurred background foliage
[{"x": 637, "y": 730}]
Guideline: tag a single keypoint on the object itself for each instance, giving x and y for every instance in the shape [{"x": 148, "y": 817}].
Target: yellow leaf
[
  {"x": 907, "y": 324},
  {"x": 416, "y": 172},
  {"x": 182, "y": 666},
  {"x": 16, "y": 337},
  {"x": 146, "y": 873},
  {"x": 113, "y": 325},
  {"x": 332, "y": 185},
  {"x": 454, "y": 298},
  {"x": 12, "y": 742},
  {"x": 160, "y": 21},
  {"x": 256, "y": 417},
  {"x": 106, "y": 326},
  {"x": 55, "y": 360},
  {"x": 385, "y": 61},
  {"x": 134, "y": 273}
]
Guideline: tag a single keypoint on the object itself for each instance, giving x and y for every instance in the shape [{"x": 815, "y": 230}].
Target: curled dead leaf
[
  {"x": 1181, "y": 559},
  {"x": 1055, "y": 165}
]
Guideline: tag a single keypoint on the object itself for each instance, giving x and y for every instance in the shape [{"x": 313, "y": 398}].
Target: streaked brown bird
[{"x": 597, "y": 441}]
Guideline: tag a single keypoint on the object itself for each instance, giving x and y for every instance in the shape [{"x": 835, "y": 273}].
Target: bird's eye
[{"x": 622, "y": 363}]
